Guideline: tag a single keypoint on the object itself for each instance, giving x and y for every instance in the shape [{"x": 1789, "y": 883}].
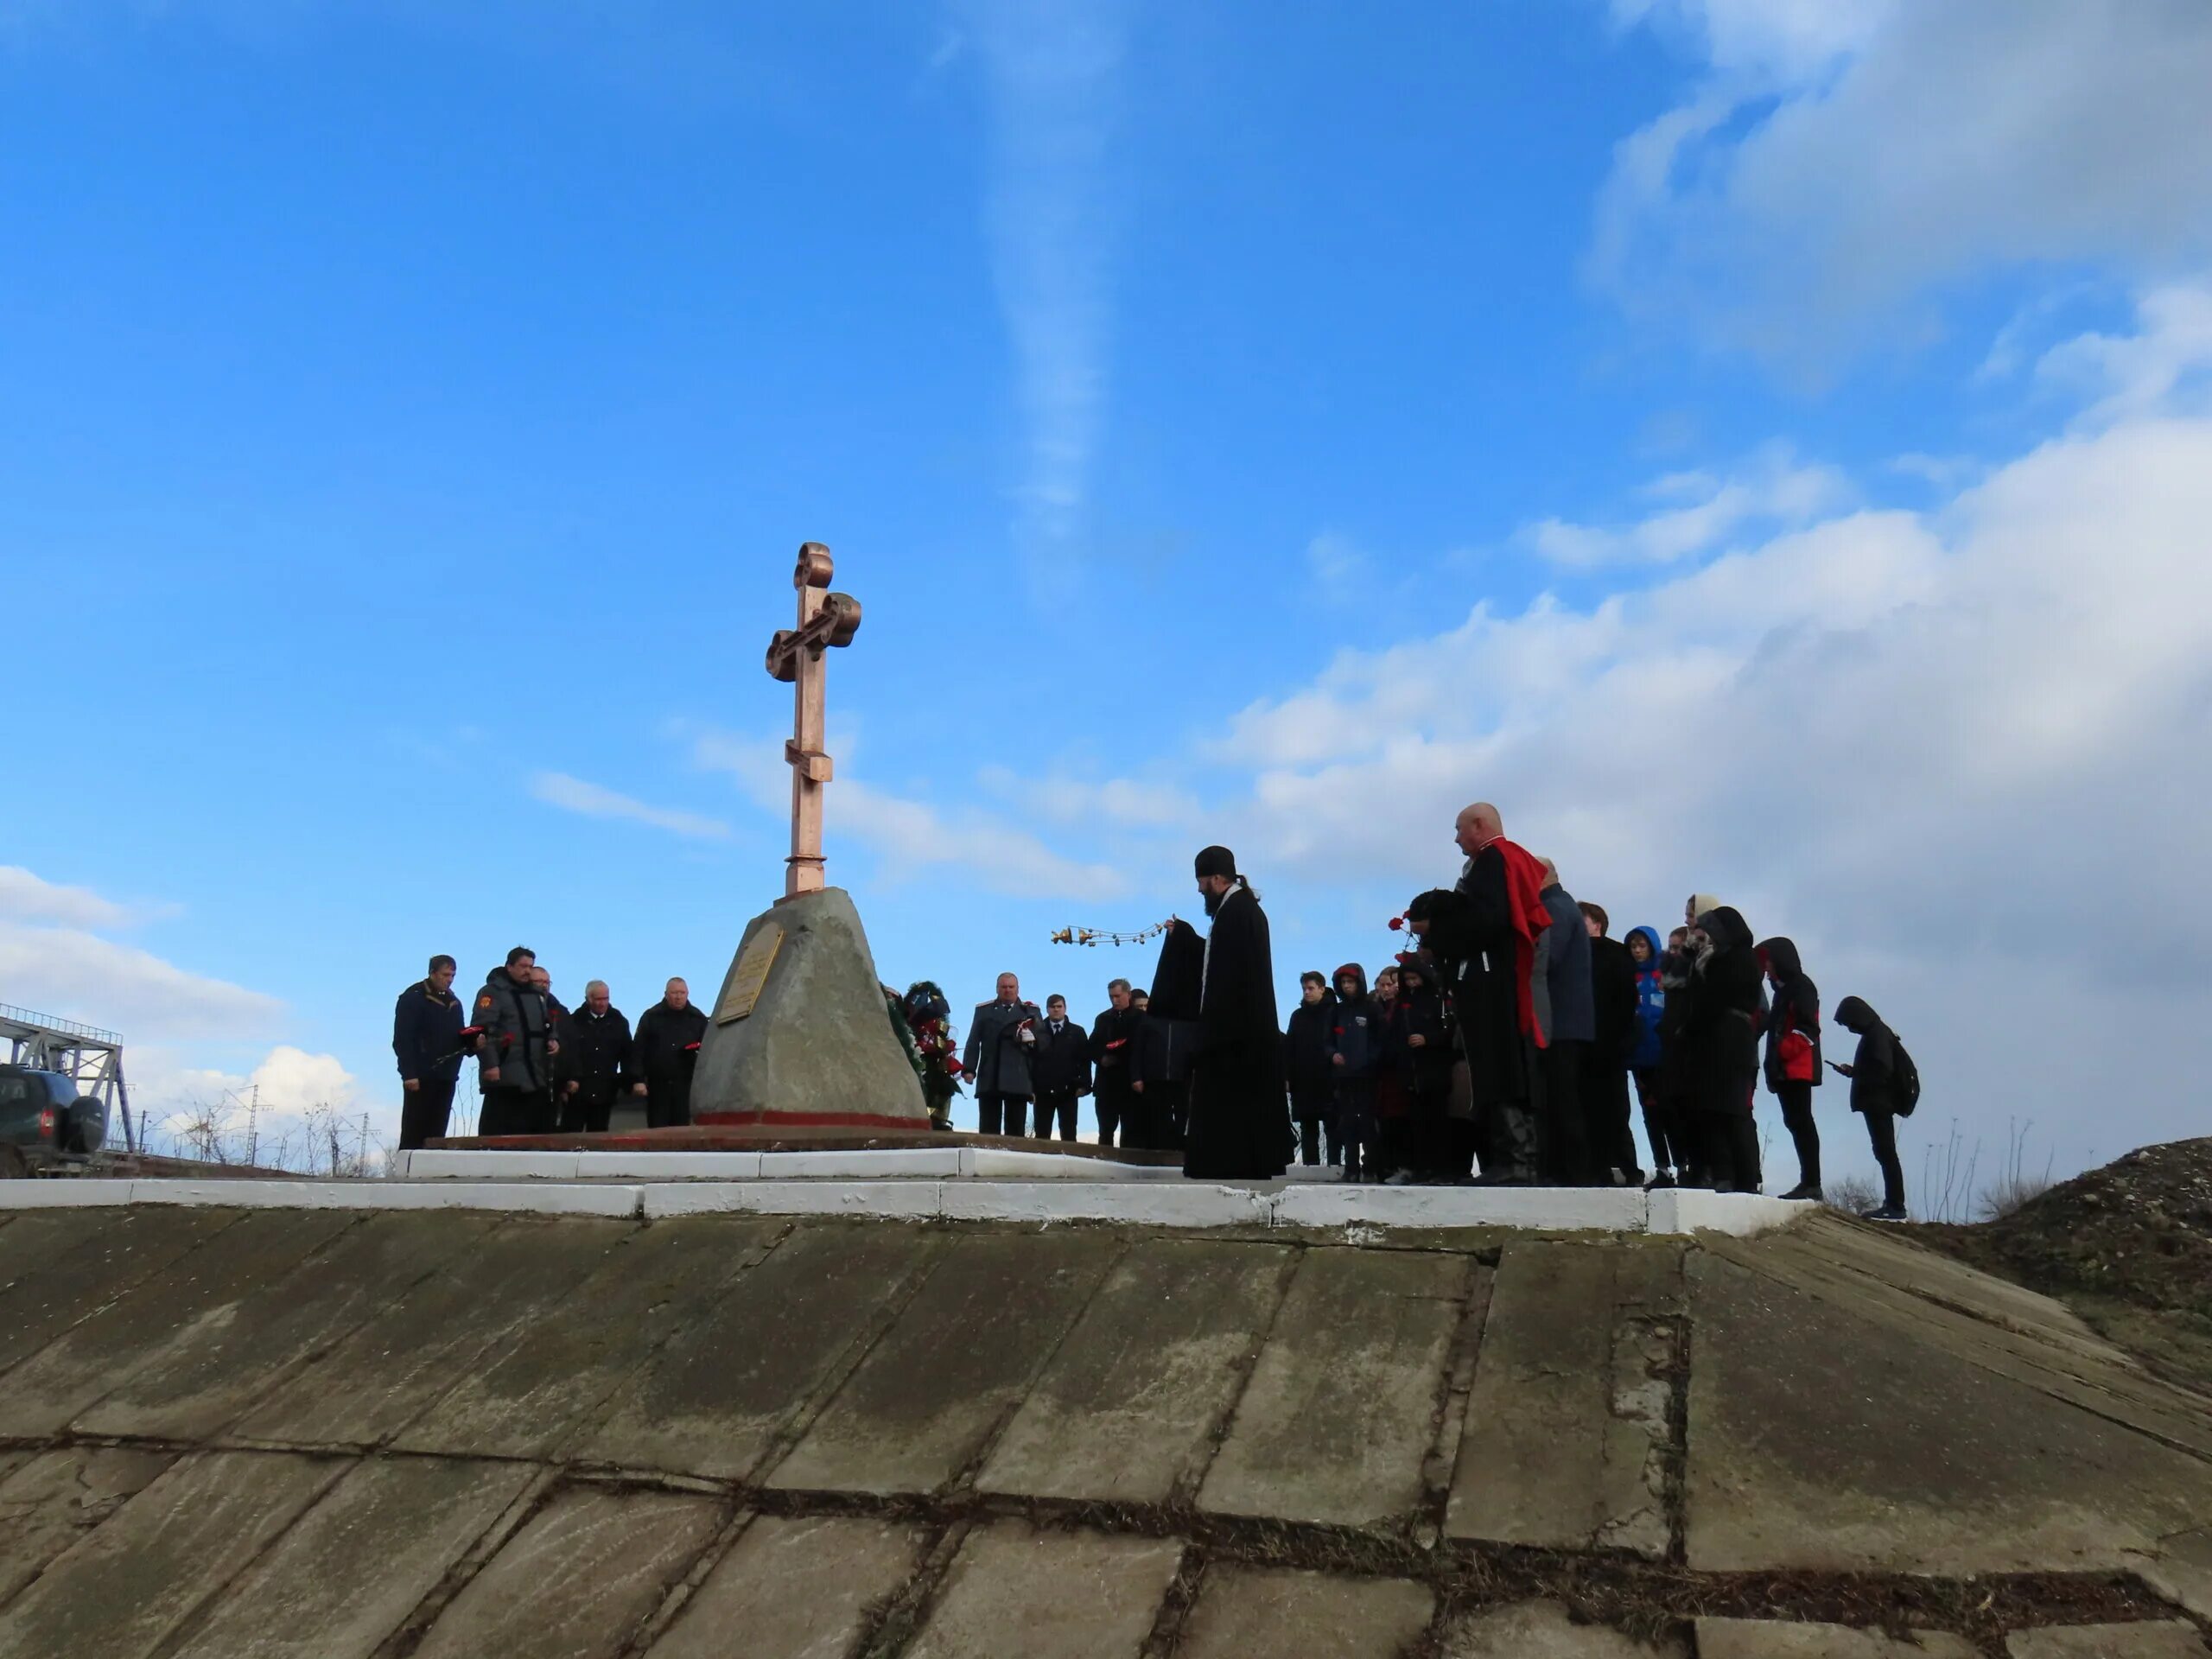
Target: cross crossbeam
[{"x": 795, "y": 658}]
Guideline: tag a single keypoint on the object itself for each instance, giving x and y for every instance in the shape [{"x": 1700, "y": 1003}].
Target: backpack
[{"x": 1904, "y": 1079}]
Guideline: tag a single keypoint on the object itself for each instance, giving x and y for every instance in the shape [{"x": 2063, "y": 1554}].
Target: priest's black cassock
[{"x": 1240, "y": 1121}]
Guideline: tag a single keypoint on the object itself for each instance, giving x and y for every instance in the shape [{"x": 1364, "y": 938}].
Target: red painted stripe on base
[{"x": 817, "y": 1120}]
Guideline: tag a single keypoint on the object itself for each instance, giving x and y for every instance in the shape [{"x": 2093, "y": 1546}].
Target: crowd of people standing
[
  {"x": 542, "y": 1068},
  {"x": 1510, "y": 1045}
]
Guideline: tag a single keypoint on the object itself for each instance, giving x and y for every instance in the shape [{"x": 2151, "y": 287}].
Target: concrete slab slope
[{"x": 320, "y": 1432}]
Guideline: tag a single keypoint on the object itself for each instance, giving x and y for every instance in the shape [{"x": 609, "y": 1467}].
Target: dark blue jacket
[
  {"x": 1566, "y": 945},
  {"x": 426, "y": 1033},
  {"x": 1356, "y": 1033},
  {"x": 1651, "y": 1003}
]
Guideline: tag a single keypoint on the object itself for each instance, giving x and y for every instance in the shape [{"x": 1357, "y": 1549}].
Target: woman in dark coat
[
  {"x": 1166, "y": 1040},
  {"x": 1723, "y": 1031},
  {"x": 1306, "y": 1064},
  {"x": 1873, "y": 1074},
  {"x": 1678, "y": 1064},
  {"x": 1793, "y": 1057}
]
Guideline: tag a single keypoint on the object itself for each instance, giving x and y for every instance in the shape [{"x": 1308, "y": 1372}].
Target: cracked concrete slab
[
  {"x": 793, "y": 1587},
  {"x": 2089, "y": 1374},
  {"x": 1017, "y": 1592},
  {"x": 62, "y": 1266},
  {"x": 373, "y": 1384},
  {"x": 204, "y": 1286},
  {"x": 715, "y": 1400},
  {"x": 1273, "y": 1613},
  {"x": 1341, "y": 1409},
  {"x": 527, "y": 1400},
  {"x": 1820, "y": 1438},
  {"x": 2173, "y": 1639},
  {"x": 1567, "y": 1422},
  {"x": 1128, "y": 1406},
  {"x": 1762, "y": 1638},
  {"x": 349, "y": 1571},
  {"x": 961, "y": 1354},
  {"x": 212, "y": 1369},
  {"x": 1542, "y": 1629},
  {"x": 48, "y": 1500},
  {"x": 579, "y": 1580},
  {"x": 129, "y": 1583}
]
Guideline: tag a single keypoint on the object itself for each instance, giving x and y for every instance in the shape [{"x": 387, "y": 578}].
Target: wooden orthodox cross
[{"x": 795, "y": 658}]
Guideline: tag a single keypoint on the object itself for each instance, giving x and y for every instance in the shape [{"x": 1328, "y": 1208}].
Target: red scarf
[{"x": 1524, "y": 903}]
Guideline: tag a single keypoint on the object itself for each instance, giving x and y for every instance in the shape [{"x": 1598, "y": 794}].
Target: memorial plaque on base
[{"x": 749, "y": 976}]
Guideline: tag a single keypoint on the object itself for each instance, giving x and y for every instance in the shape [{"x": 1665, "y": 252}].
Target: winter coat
[
  {"x": 595, "y": 1055},
  {"x": 1425, "y": 1070},
  {"x": 1356, "y": 1033},
  {"x": 996, "y": 1058},
  {"x": 666, "y": 1049},
  {"x": 1793, "y": 1027},
  {"x": 1305, "y": 1051},
  {"x": 1061, "y": 1064},
  {"x": 1651, "y": 1003},
  {"x": 1874, "y": 1068},
  {"x": 1723, "y": 1028},
  {"x": 1114, "y": 1049},
  {"x": 1567, "y": 965},
  {"x": 518, "y": 1028},
  {"x": 426, "y": 1033},
  {"x": 1613, "y": 1000}
]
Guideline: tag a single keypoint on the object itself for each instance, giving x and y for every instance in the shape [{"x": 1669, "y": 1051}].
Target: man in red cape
[{"x": 1483, "y": 935}]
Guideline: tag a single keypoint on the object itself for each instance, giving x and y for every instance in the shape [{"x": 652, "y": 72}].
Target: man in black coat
[
  {"x": 514, "y": 1061},
  {"x": 1114, "y": 1056},
  {"x": 595, "y": 1062},
  {"x": 663, "y": 1055},
  {"x": 1604, "y": 1076},
  {"x": 426, "y": 1026},
  {"x": 1059, "y": 1068},
  {"x": 1240, "y": 1122}
]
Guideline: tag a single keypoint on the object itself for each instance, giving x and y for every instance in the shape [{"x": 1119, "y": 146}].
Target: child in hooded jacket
[
  {"x": 1644, "y": 1057},
  {"x": 1419, "y": 1050},
  {"x": 1355, "y": 1056},
  {"x": 1873, "y": 1074},
  {"x": 1792, "y": 1064}
]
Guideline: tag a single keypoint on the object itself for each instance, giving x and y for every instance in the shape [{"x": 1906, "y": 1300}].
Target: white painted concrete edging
[{"x": 1185, "y": 1204}]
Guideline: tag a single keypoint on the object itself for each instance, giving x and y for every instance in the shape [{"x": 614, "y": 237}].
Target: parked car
[{"x": 42, "y": 1111}]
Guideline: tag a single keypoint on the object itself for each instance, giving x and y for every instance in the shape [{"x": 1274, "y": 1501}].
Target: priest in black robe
[{"x": 1240, "y": 1121}]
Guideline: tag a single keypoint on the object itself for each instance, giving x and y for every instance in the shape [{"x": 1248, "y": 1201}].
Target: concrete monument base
[{"x": 799, "y": 1037}]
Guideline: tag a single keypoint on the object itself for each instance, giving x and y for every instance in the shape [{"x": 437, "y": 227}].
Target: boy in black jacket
[{"x": 1873, "y": 1073}]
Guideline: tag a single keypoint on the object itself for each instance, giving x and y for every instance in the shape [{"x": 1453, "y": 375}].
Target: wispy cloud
[
  {"x": 590, "y": 800},
  {"x": 28, "y": 898},
  {"x": 1702, "y": 511},
  {"x": 1052, "y": 75}
]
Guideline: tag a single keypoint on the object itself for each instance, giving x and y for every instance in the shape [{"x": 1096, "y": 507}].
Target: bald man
[
  {"x": 1483, "y": 933},
  {"x": 663, "y": 1055}
]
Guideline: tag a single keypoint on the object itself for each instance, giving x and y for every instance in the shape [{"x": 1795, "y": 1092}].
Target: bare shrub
[{"x": 1853, "y": 1194}]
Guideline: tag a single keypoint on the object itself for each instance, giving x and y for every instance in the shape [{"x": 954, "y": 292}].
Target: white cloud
[
  {"x": 1337, "y": 563},
  {"x": 575, "y": 795},
  {"x": 2167, "y": 361},
  {"x": 1935, "y": 747},
  {"x": 1773, "y": 490},
  {"x": 1839, "y": 159},
  {"x": 26, "y": 898},
  {"x": 1052, "y": 76},
  {"x": 80, "y": 975},
  {"x": 1123, "y": 802}
]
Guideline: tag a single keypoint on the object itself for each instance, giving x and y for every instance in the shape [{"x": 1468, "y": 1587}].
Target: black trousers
[
  {"x": 1796, "y": 1100},
  {"x": 668, "y": 1102},
  {"x": 1564, "y": 1156},
  {"x": 585, "y": 1113},
  {"x": 1665, "y": 1155},
  {"x": 1111, "y": 1100},
  {"x": 1605, "y": 1119},
  {"x": 993, "y": 1110},
  {"x": 1732, "y": 1146},
  {"x": 424, "y": 1111},
  {"x": 1055, "y": 1104},
  {"x": 1882, "y": 1131},
  {"x": 515, "y": 1111}
]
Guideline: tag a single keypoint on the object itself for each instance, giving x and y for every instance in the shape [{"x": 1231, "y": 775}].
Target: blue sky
[{"x": 1760, "y": 461}]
